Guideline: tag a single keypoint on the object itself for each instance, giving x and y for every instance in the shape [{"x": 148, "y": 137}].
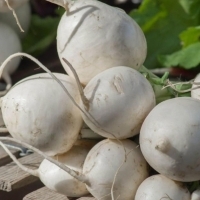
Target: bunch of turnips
[{"x": 102, "y": 48}]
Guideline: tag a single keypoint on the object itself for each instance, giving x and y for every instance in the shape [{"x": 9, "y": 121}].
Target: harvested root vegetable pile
[{"x": 108, "y": 90}]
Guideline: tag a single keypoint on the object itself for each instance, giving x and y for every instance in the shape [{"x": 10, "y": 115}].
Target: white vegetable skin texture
[
  {"x": 38, "y": 111},
  {"x": 169, "y": 139},
  {"x": 119, "y": 100},
  {"x": 13, "y": 3},
  {"x": 103, "y": 162},
  {"x": 24, "y": 15},
  {"x": 195, "y": 93},
  {"x": 159, "y": 187},
  {"x": 96, "y": 36},
  {"x": 9, "y": 43},
  {"x": 60, "y": 181},
  {"x": 196, "y": 195}
]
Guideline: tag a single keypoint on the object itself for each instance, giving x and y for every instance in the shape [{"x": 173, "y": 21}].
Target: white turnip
[
  {"x": 196, "y": 194},
  {"x": 169, "y": 138},
  {"x": 9, "y": 44},
  {"x": 111, "y": 166},
  {"x": 159, "y": 187},
  {"x": 94, "y": 36},
  {"x": 37, "y": 110},
  {"x": 117, "y": 102}
]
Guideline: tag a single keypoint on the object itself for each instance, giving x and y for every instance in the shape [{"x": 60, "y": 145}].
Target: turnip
[
  {"x": 94, "y": 36},
  {"x": 23, "y": 13},
  {"x": 9, "y": 43},
  {"x": 159, "y": 187},
  {"x": 111, "y": 166},
  {"x": 196, "y": 195},
  {"x": 169, "y": 139},
  {"x": 117, "y": 101},
  {"x": 37, "y": 110}
]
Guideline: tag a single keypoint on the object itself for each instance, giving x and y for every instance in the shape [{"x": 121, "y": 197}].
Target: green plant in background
[{"x": 172, "y": 30}]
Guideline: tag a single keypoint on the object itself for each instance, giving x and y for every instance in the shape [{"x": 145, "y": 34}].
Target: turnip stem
[
  {"x": 83, "y": 97},
  {"x": 15, "y": 15},
  {"x": 73, "y": 173},
  {"x": 30, "y": 171}
]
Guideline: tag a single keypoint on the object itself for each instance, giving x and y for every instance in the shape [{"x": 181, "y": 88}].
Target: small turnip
[
  {"x": 94, "y": 36},
  {"x": 111, "y": 167},
  {"x": 169, "y": 139},
  {"x": 159, "y": 187},
  {"x": 37, "y": 110},
  {"x": 117, "y": 102}
]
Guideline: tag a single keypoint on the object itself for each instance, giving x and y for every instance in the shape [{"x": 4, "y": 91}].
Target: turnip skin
[
  {"x": 37, "y": 111},
  {"x": 102, "y": 163},
  {"x": 119, "y": 100},
  {"x": 60, "y": 181},
  {"x": 9, "y": 43},
  {"x": 159, "y": 187},
  {"x": 196, "y": 195},
  {"x": 94, "y": 36},
  {"x": 23, "y": 13},
  {"x": 169, "y": 139}
]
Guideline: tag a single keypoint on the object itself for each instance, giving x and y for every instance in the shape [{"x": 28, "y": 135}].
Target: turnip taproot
[
  {"x": 37, "y": 110},
  {"x": 13, "y": 3},
  {"x": 107, "y": 161},
  {"x": 117, "y": 101},
  {"x": 9, "y": 43},
  {"x": 159, "y": 187},
  {"x": 94, "y": 36},
  {"x": 23, "y": 13},
  {"x": 169, "y": 138}
]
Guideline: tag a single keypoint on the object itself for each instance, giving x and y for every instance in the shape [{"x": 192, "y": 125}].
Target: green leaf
[
  {"x": 162, "y": 21},
  {"x": 191, "y": 7},
  {"x": 190, "y": 36},
  {"x": 187, "y": 58},
  {"x": 41, "y": 34}
]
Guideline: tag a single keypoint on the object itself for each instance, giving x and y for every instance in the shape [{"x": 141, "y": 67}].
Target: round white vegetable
[
  {"x": 9, "y": 43},
  {"x": 105, "y": 160},
  {"x": 23, "y": 13},
  {"x": 159, "y": 187},
  {"x": 13, "y": 3},
  {"x": 169, "y": 139},
  {"x": 60, "y": 181},
  {"x": 119, "y": 100},
  {"x": 196, "y": 195},
  {"x": 94, "y": 36},
  {"x": 37, "y": 110}
]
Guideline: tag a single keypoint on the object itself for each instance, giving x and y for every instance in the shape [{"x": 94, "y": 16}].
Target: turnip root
[
  {"x": 94, "y": 36},
  {"x": 159, "y": 187},
  {"x": 108, "y": 161},
  {"x": 13, "y": 3},
  {"x": 23, "y": 13},
  {"x": 37, "y": 110},
  {"x": 9, "y": 43},
  {"x": 196, "y": 195},
  {"x": 119, "y": 99},
  {"x": 169, "y": 139}
]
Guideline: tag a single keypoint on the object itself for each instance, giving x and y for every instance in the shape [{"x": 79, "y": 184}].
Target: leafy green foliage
[
  {"x": 162, "y": 22},
  {"x": 41, "y": 34}
]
